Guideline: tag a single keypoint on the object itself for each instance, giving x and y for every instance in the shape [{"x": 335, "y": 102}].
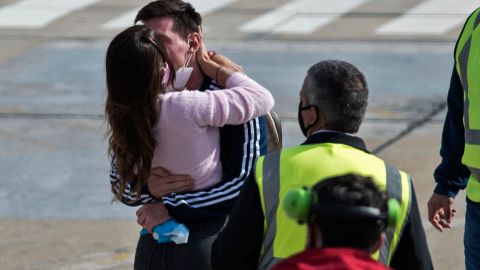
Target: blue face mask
[{"x": 300, "y": 118}]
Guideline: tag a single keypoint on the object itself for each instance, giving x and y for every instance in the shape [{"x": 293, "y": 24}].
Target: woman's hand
[
  {"x": 212, "y": 69},
  {"x": 203, "y": 60},
  {"x": 222, "y": 60}
]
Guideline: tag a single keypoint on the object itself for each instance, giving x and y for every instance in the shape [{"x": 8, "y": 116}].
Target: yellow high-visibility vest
[
  {"x": 305, "y": 165},
  {"x": 467, "y": 64}
]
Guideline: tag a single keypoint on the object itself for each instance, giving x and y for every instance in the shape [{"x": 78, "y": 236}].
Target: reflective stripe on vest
[
  {"x": 467, "y": 59},
  {"x": 271, "y": 189},
  {"x": 397, "y": 182},
  {"x": 305, "y": 165}
]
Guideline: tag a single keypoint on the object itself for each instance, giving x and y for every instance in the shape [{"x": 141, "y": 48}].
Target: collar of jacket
[{"x": 337, "y": 137}]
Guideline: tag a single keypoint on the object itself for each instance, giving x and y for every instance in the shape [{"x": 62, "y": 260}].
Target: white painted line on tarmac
[
  {"x": 203, "y": 7},
  {"x": 432, "y": 17},
  {"x": 123, "y": 21},
  {"x": 271, "y": 19},
  {"x": 302, "y": 25},
  {"x": 316, "y": 14},
  {"x": 38, "y": 13},
  {"x": 300, "y": 16}
]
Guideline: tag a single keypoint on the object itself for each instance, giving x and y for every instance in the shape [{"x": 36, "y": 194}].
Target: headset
[{"x": 301, "y": 204}]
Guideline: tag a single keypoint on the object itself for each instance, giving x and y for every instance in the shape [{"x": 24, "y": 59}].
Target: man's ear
[
  {"x": 194, "y": 42},
  {"x": 317, "y": 119}
]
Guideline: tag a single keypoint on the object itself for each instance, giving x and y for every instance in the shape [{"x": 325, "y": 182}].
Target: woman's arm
[{"x": 242, "y": 100}]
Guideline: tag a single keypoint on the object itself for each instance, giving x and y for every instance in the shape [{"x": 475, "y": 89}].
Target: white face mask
[{"x": 182, "y": 75}]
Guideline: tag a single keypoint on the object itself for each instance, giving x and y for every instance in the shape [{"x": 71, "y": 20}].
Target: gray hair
[{"x": 339, "y": 91}]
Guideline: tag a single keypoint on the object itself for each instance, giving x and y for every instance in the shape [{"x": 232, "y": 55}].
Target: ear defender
[
  {"x": 394, "y": 211},
  {"x": 299, "y": 203}
]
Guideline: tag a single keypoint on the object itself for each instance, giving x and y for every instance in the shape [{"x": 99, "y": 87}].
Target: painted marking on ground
[
  {"x": 432, "y": 17},
  {"x": 271, "y": 19},
  {"x": 203, "y": 7},
  {"x": 38, "y": 13},
  {"x": 300, "y": 16},
  {"x": 122, "y": 21},
  {"x": 317, "y": 14}
]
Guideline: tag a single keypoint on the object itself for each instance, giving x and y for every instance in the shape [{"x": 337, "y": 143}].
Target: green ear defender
[
  {"x": 300, "y": 203},
  {"x": 297, "y": 204},
  {"x": 394, "y": 212}
]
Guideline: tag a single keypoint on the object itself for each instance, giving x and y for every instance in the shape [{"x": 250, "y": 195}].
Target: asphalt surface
[
  {"x": 57, "y": 211},
  {"x": 53, "y": 96},
  {"x": 53, "y": 159}
]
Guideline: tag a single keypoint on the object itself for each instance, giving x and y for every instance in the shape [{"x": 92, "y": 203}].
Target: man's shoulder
[
  {"x": 393, "y": 168},
  {"x": 304, "y": 147},
  {"x": 278, "y": 153}
]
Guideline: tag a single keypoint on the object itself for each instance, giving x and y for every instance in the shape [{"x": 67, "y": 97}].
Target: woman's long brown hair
[{"x": 135, "y": 63}]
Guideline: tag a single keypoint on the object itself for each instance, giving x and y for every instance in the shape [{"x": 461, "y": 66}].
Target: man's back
[
  {"x": 324, "y": 155},
  {"x": 333, "y": 102}
]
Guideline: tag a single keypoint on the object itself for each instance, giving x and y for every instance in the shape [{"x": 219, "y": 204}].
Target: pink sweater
[{"x": 188, "y": 138}]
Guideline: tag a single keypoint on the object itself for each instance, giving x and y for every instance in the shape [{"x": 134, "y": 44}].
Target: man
[
  {"x": 203, "y": 212},
  {"x": 460, "y": 151},
  {"x": 333, "y": 101},
  {"x": 347, "y": 216}
]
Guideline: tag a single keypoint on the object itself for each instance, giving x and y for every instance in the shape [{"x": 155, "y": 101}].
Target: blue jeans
[
  {"x": 471, "y": 238},
  {"x": 169, "y": 256}
]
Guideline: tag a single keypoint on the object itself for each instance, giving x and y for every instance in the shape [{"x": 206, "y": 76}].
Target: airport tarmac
[{"x": 57, "y": 211}]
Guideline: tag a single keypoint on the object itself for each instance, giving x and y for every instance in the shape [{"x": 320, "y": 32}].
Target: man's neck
[
  {"x": 196, "y": 79},
  {"x": 328, "y": 130}
]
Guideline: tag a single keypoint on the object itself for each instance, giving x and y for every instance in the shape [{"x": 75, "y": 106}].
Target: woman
[{"x": 177, "y": 131}]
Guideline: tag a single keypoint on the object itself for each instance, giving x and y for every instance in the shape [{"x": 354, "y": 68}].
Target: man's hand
[
  {"x": 440, "y": 212},
  {"x": 151, "y": 215},
  {"x": 161, "y": 182}
]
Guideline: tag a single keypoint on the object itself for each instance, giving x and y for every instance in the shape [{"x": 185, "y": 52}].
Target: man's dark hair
[
  {"x": 349, "y": 190},
  {"x": 185, "y": 19},
  {"x": 339, "y": 91}
]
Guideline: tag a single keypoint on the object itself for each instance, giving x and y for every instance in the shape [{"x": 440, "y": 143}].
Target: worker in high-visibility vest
[
  {"x": 460, "y": 151},
  {"x": 346, "y": 217},
  {"x": 333, "y": 101}
]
